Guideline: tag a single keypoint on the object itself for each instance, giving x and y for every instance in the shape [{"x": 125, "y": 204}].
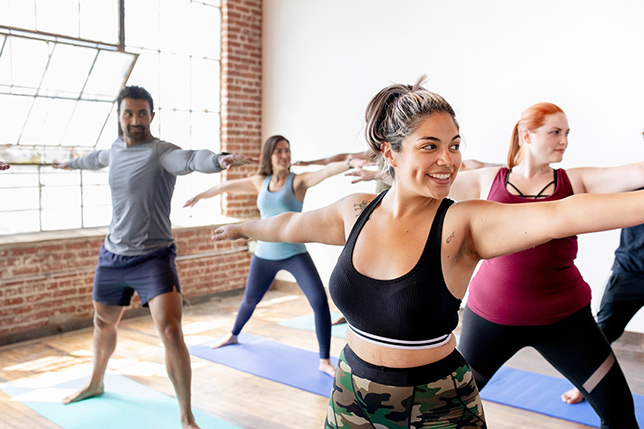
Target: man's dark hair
[{"x": 136, "y": 93}]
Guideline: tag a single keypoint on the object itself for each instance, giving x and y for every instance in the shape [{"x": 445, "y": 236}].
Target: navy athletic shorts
[{"x": 118, "y": 277}]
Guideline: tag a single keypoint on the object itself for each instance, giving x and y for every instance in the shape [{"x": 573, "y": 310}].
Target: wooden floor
[{"x": 239, "y": 398}]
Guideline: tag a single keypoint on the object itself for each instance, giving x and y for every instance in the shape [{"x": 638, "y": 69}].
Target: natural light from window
[{"x": 62, "y": 65}]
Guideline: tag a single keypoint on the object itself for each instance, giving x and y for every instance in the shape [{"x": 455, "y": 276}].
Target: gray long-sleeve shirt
[{"x": 142, "y": 179}]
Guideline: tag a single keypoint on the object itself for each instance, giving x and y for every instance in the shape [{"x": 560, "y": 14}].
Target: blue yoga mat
[
  {"x": 271, "y": 360},
  {"x": 125, "y": 404},
  {"x": 542, "y": 394},
  {"x": 307, "y": 322}
]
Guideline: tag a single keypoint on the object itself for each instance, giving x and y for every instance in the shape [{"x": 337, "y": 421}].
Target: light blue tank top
[{"x": 271, "y": 204}]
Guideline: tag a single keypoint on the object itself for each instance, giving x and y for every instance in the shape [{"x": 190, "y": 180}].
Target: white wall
[{"x": 324, "y": 61}]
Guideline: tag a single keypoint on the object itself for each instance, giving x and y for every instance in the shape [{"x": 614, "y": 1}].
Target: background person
[
  {"x": 279, "y": 190},
  {"x": 139, "y": 252},
  {"x": 537, "y": 297}
]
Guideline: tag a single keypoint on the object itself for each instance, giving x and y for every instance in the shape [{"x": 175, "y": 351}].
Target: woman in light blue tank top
[{"x": 279, "y": 191}]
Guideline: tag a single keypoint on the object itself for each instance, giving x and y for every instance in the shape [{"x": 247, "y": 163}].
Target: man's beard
[{"x": 136, "y": 133}]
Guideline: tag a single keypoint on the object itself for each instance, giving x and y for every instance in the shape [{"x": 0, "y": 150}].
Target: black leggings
[
  {"x": 261, "y": 275},
  {"x": 575, "y": 346}
]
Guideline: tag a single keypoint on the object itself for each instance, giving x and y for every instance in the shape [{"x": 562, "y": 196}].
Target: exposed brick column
[{"x": 241, "y": 92}]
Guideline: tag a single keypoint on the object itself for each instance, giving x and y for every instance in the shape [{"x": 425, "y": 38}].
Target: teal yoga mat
[
  {"x": 125, "y": 404},
  {"x": 541, "y": 394},
  {"x": 271, "y": 360},
  {"x": 307, "y": 323}
]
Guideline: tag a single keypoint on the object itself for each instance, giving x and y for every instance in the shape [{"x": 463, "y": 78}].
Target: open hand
[
  {"x": 234, "y": 160},
  {"x": 362, "y": 175},
  {"x": 228, "y": 232}
]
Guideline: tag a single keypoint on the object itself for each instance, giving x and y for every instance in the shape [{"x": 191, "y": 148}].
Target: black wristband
[{"x": 349, "y": 163}]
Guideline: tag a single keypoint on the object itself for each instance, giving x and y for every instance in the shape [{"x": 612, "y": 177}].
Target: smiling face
[
  {"x": 549, "y": 142},
  {"x": 135, "y": 117},
  {"x": 281, "y": 156},
  {"x": 430, "y": 157}
]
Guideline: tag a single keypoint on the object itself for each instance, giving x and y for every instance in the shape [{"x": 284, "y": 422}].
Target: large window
[{"x": 62, "y": 65}]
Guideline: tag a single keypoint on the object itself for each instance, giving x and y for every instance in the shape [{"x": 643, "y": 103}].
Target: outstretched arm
[
  {"x": 498, "y": 229},
  {"x": 325, "y": 225},
  {"x": 334, "y": 158},
  {"x": 312, "y": 178},
  {"x": 247, "y": 186},
  {"x": 92, "y": 161},
  {"x": 602, "y": 180}
]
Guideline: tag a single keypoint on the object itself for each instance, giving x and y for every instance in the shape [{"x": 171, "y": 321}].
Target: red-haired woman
[{"x": 537, "y": 297}]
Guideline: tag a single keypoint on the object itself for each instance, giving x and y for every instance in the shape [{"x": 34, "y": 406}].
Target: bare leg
[
  {"x": 573, "y": 396},
  {"x": 327, "y": 367},
  {"x": 226, "y": 340},
  {"x": 106, "y": 320},
  {"x": 166, "y": 313}
]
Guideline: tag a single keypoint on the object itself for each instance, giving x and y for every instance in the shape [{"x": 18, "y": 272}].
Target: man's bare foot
[
  {"x": 573, "y": 396},
  {"x": 327, "y": 367},
  {"x": 226, "y": 340},
  {"x": 88, "y": 391},
  {"x": 339, "y": 320}
]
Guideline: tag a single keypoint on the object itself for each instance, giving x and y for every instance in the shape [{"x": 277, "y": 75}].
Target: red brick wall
[
  {"x": 46, "y": 286},
  {"x": 241, "y": 92}
]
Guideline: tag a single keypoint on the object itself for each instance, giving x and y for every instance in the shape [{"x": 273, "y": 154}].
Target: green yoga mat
[
  {"x": 125, "y": 404},
  {"x": 307, "y": 323}
]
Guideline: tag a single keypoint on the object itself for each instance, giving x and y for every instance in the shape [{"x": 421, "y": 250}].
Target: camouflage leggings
[{"x": 360, "y": 400}]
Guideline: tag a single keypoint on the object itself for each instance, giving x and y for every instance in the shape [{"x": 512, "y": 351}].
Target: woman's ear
[
  {"x": 525, "y": 136},
  {"x": 388, "y": 154}
]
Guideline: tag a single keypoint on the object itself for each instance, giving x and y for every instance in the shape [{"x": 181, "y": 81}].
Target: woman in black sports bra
[{"x": 408, "y": 258}]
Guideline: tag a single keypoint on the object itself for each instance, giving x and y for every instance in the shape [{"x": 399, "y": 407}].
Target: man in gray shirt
[{"x": 139, "y": 252}]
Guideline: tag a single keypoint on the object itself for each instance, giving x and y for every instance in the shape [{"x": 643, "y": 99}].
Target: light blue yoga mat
[
  {"x": 271, "y": 360},
  {"x": 542, "y": 394},
  {"x": 307, "y": 322},
  {"x": 125, "y": 404}
]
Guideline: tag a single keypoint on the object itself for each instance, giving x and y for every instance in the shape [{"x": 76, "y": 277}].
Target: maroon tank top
[{"x": 537, "y": 286}]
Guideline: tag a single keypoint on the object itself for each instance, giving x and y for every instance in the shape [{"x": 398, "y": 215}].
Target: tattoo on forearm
[{"x": 451, "y": 236}]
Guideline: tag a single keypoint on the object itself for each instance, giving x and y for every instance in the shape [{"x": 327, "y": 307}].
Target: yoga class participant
[
  {"x": 139, "y": 252},
  {"x": 537, "y": 297},
  {"x": 408, "y": 257},
  {"x": 279, "y": 190}
]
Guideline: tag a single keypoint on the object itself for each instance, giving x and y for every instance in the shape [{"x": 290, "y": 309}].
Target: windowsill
[{"x": 36, "y": 237}]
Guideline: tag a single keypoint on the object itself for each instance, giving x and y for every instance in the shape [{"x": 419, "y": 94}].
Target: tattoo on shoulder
[
  {"x": 451, "y": 237},
  {"x": 359, "y": 208}
]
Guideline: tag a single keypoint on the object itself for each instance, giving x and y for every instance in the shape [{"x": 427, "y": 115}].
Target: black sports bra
[{"x": 414, "y": 311}]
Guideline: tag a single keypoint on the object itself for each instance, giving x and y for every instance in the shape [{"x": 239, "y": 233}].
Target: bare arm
[
  {"x": 497, "y": 229},
  {"x": 334, "y": 158},
  {"x": 328, "y": 225},
  {"x": 306, "y": 180},
  {"x": 247, "y": 186},
  {"x": 598, "y": 180}
]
